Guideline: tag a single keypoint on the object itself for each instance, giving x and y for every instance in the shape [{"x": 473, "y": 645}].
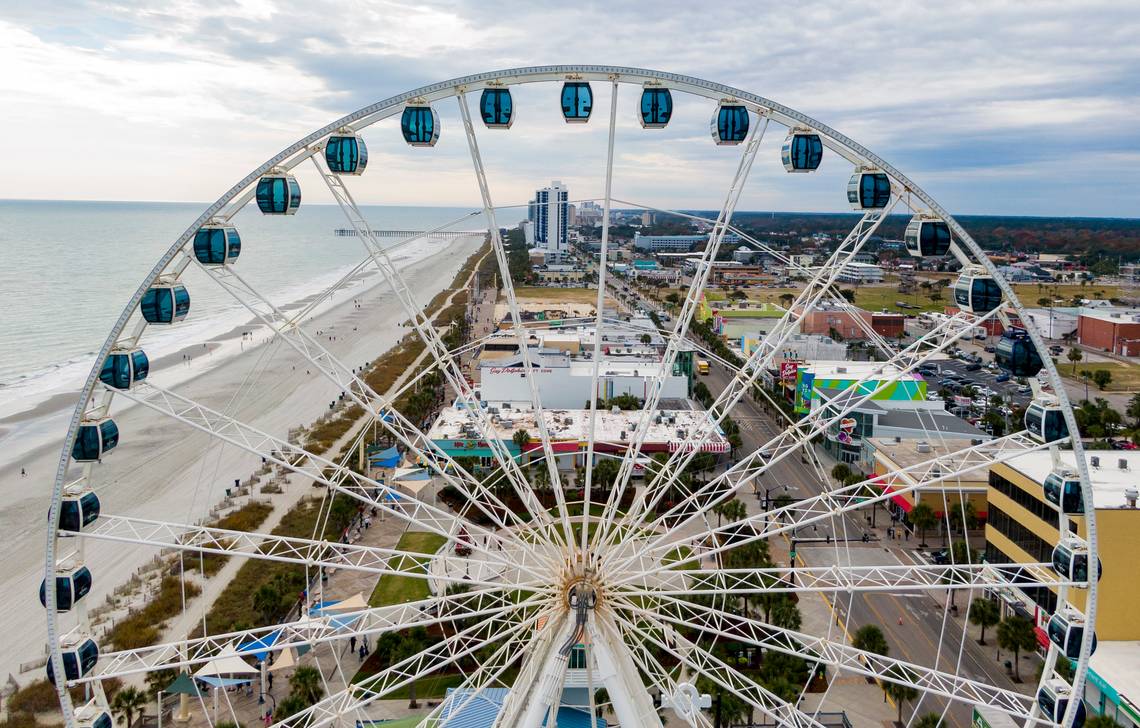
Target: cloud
[{"x": 952, "y": 94}]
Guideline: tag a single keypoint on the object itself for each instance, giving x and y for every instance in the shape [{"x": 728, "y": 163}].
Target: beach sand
[{"x": 165, "y": 470}]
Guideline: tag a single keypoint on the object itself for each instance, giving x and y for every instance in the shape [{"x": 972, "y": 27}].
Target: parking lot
[{"x": 983, "y": 377}]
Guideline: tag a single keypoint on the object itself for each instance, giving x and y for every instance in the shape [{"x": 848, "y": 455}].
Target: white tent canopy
[
  {"x": 354, "y": 603},
  {"x": 226, "y": 663}
]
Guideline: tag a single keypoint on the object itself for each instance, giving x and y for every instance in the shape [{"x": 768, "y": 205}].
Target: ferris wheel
[{"x": 633, "y": 596}]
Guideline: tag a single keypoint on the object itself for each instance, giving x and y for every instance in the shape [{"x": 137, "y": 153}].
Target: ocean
[{"x": 72, "y": 266}]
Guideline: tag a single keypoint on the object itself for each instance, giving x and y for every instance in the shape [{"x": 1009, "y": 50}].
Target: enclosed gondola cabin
[
  {"x": 1044, "y": 420},
  {"x": 1070, "y": 560},
  {"x": 95, "y": 439},
  {"x": 802, "y": 151},
  {"x": 868, "y": 189},
  {"x": 346, "y": 154},
  {"x": 71, "y": 585},
  {"x": 1016, "y": 353},
  {"x": 79, "y": 658},
  {"x": 124, "y": 367},
  {"x": 656, "y": 107},
  {"x": 927, "y": 237},
  {"x": 577, "y": 102},
  {"x": 278, "y": 194},
  {"x": 497, "y": 108},
  {"x": 217, "y": 244},
  {"x": 420, "y": 125},
  {"x": 1066, "y": 630},
  {"x": 976, "y": 291},
  {"x": 1053, "y": 699},
  {"x": 1062, "y": 488},
  {"x": 78, "y": 510},
  {"x": 165, "y": 303},
  {"x": 729, "y": 123}
]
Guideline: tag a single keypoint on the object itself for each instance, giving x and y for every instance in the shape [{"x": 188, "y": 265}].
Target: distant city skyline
[{"x": 996, "y": 110}]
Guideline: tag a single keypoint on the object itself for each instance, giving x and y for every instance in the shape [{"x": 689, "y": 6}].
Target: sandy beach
[{"x": 165, "y": 470}]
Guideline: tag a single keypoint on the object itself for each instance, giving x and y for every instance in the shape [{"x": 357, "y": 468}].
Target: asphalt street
[{"x": 915, "y": 624}]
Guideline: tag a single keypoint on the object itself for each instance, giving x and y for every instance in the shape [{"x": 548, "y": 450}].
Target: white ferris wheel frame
[{"x": 96, "y": 399}]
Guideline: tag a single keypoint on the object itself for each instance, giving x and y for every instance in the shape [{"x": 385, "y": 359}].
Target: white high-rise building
[{"x": 550, "y": 220}]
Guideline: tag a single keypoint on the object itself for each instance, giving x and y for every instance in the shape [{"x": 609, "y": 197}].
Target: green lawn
[
  {"x": 1125, "y": 377},
  {"x": 398, "y": 589}
]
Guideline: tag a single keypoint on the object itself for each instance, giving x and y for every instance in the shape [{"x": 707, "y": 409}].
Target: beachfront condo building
[{"x": 551, "y": 221}]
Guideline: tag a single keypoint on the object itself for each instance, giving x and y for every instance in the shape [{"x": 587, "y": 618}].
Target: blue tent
[
  {"x": 259, "y": 647},
  {"x": 389, "y": 458}
]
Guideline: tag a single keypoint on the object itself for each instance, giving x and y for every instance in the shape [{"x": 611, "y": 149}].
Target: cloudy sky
[{"x": 1002, "y": 107}]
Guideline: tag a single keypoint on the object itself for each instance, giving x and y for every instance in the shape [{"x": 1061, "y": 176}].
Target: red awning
[
  {"x": 1042, "y": 637},
  {"x": 899, "y": 500}
]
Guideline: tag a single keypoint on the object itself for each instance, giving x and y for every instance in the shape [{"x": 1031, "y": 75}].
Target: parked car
[
  {"x": 1003, "y": 377},
  {"x": 990, "y": 349},
  {"x": 1056, "y": 350},
  {"x": 973, "y": 367},
  {"x": 1024, "y": 389}
]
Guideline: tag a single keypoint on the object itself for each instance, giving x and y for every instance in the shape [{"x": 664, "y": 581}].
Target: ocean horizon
[{"x": 81, "y": 261}]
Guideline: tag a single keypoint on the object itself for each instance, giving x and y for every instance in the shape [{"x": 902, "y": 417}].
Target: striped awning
[{"x": 718, "y": 447}]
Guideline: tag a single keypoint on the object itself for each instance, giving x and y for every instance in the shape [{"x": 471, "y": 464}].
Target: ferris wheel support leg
[
  {"x": 632, "y": 703},
  {"x": 508, "y": 286}
]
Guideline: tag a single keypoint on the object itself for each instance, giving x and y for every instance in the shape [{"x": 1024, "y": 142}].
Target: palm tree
[
  {"x": 930, "y": 720},
  {"x": 984, "y": 613},
  {"x": 901, "y": 693},
  {"x": 129, "y": 704},
  {"x": 1074, "y": 356},
  {"x": 266, "y": 602},
  {"x": 922, "y": 516},
  {"x": 305, "y": 684},
  {"x": 1016, "y": 634},
  {"x": 870, "y": 638}
]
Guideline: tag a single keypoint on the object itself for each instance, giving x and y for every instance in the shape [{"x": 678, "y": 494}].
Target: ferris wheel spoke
[
  {"x": 462, "y": 644},
  {"x": 811, "y": 579},
  {"x": 731, "y": 626},
  {"x": 759, "y": 360},
  {"x": 306, "y": 631},
  {"x": 833, "y": 503},
  {"x": 596, "y": 354},
  {"x": 508, "y": 286},
  {"x": 300, "y": 461},
  {"x": 448, "y": 363},
  {"x": 321, "y": 554},
  {"x": 697, "y": 658},
  {"x": 798, "y": 435},
  {"x": 672, "y": 347},
  {"x": 359, "y": 392}
]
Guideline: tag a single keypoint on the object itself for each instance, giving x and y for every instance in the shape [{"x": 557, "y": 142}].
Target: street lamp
[{"x": 768, "y": 495}]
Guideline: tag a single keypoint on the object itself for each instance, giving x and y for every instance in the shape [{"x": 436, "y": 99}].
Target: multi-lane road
[{"x": 916, "y": 625}]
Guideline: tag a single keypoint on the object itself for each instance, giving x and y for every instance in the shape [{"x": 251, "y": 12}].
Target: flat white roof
[
  {"x": 1115, "y": 661},
  {"x": 570, "y": 425},
  {"x": 1113, "y": 315},
  {"x": 1109, "y": 481},
  {"x": 853, "y": 369}
]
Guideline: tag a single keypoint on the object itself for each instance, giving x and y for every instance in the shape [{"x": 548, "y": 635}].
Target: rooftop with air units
[{"x": 1114, "y": 473}]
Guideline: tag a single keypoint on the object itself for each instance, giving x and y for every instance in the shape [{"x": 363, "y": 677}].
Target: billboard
[
  {"x": 788, "y": 370},
  {"x": 805, "y": 383}
]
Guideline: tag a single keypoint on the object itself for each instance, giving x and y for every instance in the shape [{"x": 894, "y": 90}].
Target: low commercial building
[
  {"x": 890, "y": 455},
  {"x": 676, "y": 243},
  {"x": 559, "y": 273},
  {"x": 860, "y": 273},
  {"x": 850, "y": 323},
  {"x": 897, "y": 407},
  {"x": 796, "y": 348},
  {"x": 1053, "y": 323},
  {"x": 565, "y": 382},
  {"x": 455, "y": 432},
  {"x": 1115, "y": 330}
]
